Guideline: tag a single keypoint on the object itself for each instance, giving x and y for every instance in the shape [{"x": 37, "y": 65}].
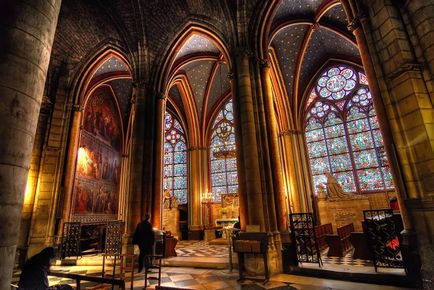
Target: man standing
[{"x": 144, "y": 238}]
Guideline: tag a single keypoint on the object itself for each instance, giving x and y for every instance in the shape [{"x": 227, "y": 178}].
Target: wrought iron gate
[
  {"x": 113, "y": 242},
  {"x": 71, "y": 239},
  {"x": 382, "y": 238},
  {"x": 303, "y": 235}
]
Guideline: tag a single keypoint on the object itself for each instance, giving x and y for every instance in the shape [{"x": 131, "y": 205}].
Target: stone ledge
[{"x": 271, "y": 285}]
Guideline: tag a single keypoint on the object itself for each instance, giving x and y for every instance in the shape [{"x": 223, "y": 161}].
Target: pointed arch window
[
  {"x": 343, "y": 135},
  {"x": 223, "y": 163},
  {"x": 175, "y": 159}
]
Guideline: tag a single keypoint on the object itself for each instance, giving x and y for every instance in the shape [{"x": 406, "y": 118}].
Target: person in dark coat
[
  {"x": 144, "y": 238},
  {"x": 34, "y": 274}
]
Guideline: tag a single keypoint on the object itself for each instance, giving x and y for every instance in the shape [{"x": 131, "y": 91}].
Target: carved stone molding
[
  {"x": 405, "y": 68},
  {"x": 77, "y": 108},
  {"x": 290, "y": 133},
  {"x": 264, "y": 63},
  {"x": 354, "y": 24}
]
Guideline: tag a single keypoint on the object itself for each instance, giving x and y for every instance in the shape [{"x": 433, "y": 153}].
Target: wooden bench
[
  {"x": 360, "y": 244},
  {"x": 320, "y": 232},
  {"x": 340, "y": 244}
]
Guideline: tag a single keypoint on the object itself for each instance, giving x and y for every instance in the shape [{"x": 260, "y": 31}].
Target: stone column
[
  {"x": 135, "y": 200},
  {"x": 276, "y": 166},
  {"x": 240, "y": 158},
  {"x": 249, "y": 172},
  {"x": 32, "y": 179},
  {"x": 158, "y": 155},
  {"x": 409, "y": 108},
  {"x": 289, "y": 161},
  {"x": 421, "y": 14},
  {"x": 361, "y": 37},
  {"x": 27, "y": 33},
  {"x": 70, "y": 166},
  {"x": 195, "y": 185}
]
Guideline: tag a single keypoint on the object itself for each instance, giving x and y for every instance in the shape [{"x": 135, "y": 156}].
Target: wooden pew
[
  {"x": 321, "y": 231},
  {"x": 340, "y": 244},
  {"x": 360, "y": 244}
]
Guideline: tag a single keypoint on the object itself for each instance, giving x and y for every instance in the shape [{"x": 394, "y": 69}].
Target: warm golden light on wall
[
  {"x": 30, "y": 186},
  {"x": 84, "y": 162}
]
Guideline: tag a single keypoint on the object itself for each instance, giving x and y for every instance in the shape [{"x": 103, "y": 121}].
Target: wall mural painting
[{"x": 96, "y": 188}]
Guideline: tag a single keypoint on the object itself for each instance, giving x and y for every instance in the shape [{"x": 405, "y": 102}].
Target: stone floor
[
  {"x": 199, "y": 265},
  {"x": 213, "y": 279}
]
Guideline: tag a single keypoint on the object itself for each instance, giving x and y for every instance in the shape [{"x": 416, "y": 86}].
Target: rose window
[{"x": 336, "y": 83}]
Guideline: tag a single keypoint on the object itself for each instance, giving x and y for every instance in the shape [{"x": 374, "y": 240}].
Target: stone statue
[
  {"x": 169, "y": 201},
  {"x": 321, "y": 191},
  {"x": 334, "y": 189}
]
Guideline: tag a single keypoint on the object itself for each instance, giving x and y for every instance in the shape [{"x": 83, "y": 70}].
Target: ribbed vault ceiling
[{"x": 305, "y": 34}]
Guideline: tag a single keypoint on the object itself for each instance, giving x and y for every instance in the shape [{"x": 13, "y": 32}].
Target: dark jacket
[
  {"x": 144, "y": 236},
  {"x": 34, "y": 274}
]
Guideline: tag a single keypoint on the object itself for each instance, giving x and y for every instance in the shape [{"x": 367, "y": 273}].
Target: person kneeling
[{"x": 34, "y": 274}]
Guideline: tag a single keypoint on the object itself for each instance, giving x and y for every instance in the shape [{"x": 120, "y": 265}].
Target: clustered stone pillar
[
  {"x": 401, "y": 89},
  {"x": 196, "y": 188},
  {"x": 74, "y": 138},
  {"x": 159, "y": 164},
  {"x": 135, "y": 200},
  {"x": 276, "y": 166},
  {"x": 249, "y": 173},
  {"x": 26, "y": 33},
  {"x": 289, "y": 159}
]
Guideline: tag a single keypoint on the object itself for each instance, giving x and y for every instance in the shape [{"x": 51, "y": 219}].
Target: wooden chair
[{"x": 156, "y": 264}]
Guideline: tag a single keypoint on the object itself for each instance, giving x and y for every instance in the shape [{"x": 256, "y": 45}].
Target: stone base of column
[
  {"x": 427, "y": 280},
  {"x": 195, "y": 232},
  {"x": 410, "y": 255},
  {"x": 254, "y": 263}
]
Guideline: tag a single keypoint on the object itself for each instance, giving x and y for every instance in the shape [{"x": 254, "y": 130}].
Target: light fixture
[{"x": 223, "y": 132}]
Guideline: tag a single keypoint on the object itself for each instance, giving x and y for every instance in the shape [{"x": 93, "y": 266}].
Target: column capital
[
  {"x": 77, "y": 108},
  {"x": 243, "y": 51},
  {"x": 264, "y": 62},
  {"x": 161, "y": 96},
  {"x": 290, "y": 132},
  {"x": 196, "y": 148},
  {"x": 139, "y": 84},
  {"x": 355, "y": 23},
  {"x": 46, "y": 105}
]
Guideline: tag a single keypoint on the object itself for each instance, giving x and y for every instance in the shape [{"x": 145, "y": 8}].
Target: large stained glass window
[
  {"x": 175, "y": 159},
  {"x": 342, "y": 133},
  {"x": 223, "y": 163}
]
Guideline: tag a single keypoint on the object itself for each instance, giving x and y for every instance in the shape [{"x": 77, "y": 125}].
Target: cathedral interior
[{"x": 311, "y": 122}]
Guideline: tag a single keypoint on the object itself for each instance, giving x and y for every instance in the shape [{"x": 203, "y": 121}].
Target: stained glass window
[
  {"x": 343, "y": 135},
  {"x": 223, "y": 162},
  {"x": 175, "y": 159}
]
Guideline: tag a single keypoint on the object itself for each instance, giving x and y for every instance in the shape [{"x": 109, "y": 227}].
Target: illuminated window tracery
[
  {"x": 343, "y": 135},
  {"x": 223, "y": 163},
  {"x": 175, "y": 159}
]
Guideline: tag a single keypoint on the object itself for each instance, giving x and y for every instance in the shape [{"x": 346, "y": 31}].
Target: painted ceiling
[
  {"x": 306, "y": 34},
  {"x": 113, "y": 64},
  {"x": 197, "y": 44},
  {"x": 123, "y": 90},
  {"x": 108, "y": 73}
]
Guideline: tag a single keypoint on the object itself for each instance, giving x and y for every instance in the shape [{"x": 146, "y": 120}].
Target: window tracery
[
  {"x": 343, "y": 135},
  {"x": 223, "y": 164},
  {"x": 175, "y": 159}
]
